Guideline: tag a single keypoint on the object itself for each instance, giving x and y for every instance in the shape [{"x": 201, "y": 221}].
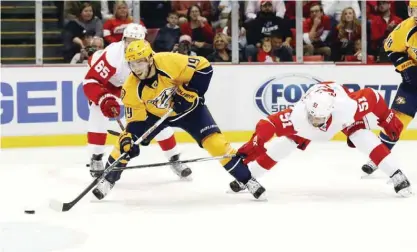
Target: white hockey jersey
[{"x": 108, "y": 71}]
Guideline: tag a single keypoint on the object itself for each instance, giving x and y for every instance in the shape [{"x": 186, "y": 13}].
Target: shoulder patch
[
  {"x": 122, "y": 94},
  {"x": 411, "y": 33}
]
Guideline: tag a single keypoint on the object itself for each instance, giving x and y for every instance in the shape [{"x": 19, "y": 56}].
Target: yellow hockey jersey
[
  {"x": 401, "y": 45},
  {"x": 152, "y": 95}
]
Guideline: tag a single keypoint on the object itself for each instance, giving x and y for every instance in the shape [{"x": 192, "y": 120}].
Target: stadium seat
[
  {"x": 352, "y": 58},
  {"x": 151, "y": 35},
  {"x": 314, "y": 58}
]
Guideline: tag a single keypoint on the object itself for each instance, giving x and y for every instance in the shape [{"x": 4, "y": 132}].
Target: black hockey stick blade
[
  {"x": 114, "y": 133},
  {"x": 64, "y": 207}
]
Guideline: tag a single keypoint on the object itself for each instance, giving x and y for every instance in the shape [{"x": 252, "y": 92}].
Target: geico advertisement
[{"x": 40, "y": 101}]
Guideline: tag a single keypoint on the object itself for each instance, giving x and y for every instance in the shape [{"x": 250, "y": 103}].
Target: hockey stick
[
  {"x": 114, "y": 133},
  {"x": 63, "y": 207},
  {"x": 195, "y": 160},
  {"x": 118, "y": 120}
]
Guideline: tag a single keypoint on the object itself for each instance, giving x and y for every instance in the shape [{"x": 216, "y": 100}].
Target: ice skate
[
  {"x": 256, "y": 189},
  {"x": 401, "y": 184},
  {"x": 237, "y": 186},
  {"x": 96, "y": 165},
  {"x": 102, "y": 189},
  {"x": 369, "y": 167},
  {"x": 182, "y": 170}
]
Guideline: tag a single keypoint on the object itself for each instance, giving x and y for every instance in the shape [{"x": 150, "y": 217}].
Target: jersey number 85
[{"x": 101, "y": 69}]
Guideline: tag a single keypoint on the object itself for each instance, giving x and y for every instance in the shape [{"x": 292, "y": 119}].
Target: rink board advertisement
[{"x": 46, "y": 106}]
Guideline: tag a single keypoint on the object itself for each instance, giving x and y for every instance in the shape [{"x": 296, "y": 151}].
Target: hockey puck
[{"x": 29, "y": 211}]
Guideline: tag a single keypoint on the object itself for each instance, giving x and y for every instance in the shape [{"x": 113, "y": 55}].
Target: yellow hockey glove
[{"x": 126, "y": 145}]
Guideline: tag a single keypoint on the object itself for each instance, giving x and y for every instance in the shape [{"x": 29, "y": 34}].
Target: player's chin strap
[{"x": 178, "y": 162}]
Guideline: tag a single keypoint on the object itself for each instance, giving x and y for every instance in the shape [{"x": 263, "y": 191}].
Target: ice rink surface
[{"x": 317, "y": 201}]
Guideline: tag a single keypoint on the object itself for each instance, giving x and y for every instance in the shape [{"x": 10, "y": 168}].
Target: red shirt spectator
[
  {"x": 320, "y": 22},
  {"x": 197, "y": 27},
  {"x": 383, "y": 24},
  {"x": 372, "y": 8},
  {"x": 181, "y": 7},
  {"x": 265, "y": 53},
  {"x": 113, "y": 28}
]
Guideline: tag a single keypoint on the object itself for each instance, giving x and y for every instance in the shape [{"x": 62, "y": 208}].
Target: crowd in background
[{"x": 331, "y": 29}]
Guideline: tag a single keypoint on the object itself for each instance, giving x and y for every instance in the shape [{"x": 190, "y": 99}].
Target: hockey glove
[
  {"x": 186, "y": 99},
  {"x": 391, "y": 125},
  {"x": 126, "y": 145},
  {"x": 255, "y": 146},
  {"x": 107, "y": 104},
  {"x": 252, "y": 149}
]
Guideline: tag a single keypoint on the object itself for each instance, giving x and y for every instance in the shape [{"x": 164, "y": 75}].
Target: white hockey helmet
[
  {"x": 135, "y": 31},
  {"x": 319, "y": 105}
]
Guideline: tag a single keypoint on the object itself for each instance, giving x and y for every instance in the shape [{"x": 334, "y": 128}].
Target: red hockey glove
[
  {"x": 391, "y": 125},
  {"x": 108, "y": 104},
  {"x": 252, "y": 149},
  {"x": 255, "y": 146}
]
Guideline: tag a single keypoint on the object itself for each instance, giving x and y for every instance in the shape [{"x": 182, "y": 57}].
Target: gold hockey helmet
[{"x": 139, "y": 57}]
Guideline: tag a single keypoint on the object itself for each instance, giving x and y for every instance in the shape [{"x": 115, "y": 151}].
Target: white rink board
[{"x": 45, "y": 100}]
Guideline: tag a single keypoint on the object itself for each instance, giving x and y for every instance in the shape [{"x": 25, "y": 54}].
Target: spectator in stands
[
  {"x": 221, "y": 52},
  {"x": 113, "y": 28},
  {"x": 334, "y": 8},
  {"x": 316, "y": 30},
  {"x": 265, "y": 23},
  {"x": 347, "y": 32},
  {"x": 265, "y": 53},
  {"x": 154, "y": 13},
  {"x": 72, "y": 9},
  {"x": 184, "y": 46},
  {"x": 75, "y": 30},
  {"x": 242, "y": 36},
  {"x": 92, "y": 44},
  {"x": 183, "y": 7},
  {"x": 199, "y": 30},
  {"x": 108, "y": 9},
  {"x": 382, "y": 25},
  {"x": 398, "y": 8},
  {"x": 282, "y": 53},
  {"x": 168, "y": 35},
  {"x": 254, "y": 7}
]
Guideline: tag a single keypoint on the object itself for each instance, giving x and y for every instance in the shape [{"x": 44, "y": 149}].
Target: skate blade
[
  {"x": 262, "y": 198},
  {"x": 230, "y": 191},
  {"x": 189, "y": 178},
  {"x": 406, "y": 192}
]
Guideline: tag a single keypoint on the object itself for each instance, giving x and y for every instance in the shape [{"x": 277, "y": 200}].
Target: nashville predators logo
[
  {"x": 162, "y": 101},
  {"x": 400, "y": 100}
]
